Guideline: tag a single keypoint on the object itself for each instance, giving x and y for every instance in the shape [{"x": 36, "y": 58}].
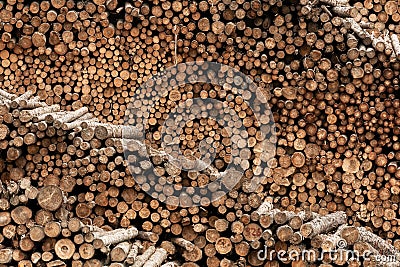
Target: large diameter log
[
  {"x": 284, "y": 233},
  {"x": 64, "y": 248},
  {"x": 120, "y": 251},
  {"x": 6, "y": 255},
  {"x": 21, "y": 214},
  {"x": 323, "y": 224},
  {"x": 50, "y": 197},
  {"x": 194, "y": 255},
  {"x": 13, "y": 153}
]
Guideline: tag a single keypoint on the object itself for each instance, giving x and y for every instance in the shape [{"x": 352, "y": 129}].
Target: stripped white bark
[
  {"x": 115, "y": 131},
  {"x": 27, "y": 115},
  {"x": 141, "y": 259},
  {"x": 377, "y": 43},
  {"x": 377, "y": 242},
  {"x": 7, "y": 95},
  {"x": 366, "y": 25},
  {"x": 133, "y": 252},
  {"x": 335, "y": 2},
  {"x": 159, "y": 256},
  {"x": 78, "y": 122},
  {"x": 120, "y": 252},
  {"x": 25, "y": 96},
  {"x": 94, "y": 228},
  {"x": 395, "y": 44},
  {"x": 265, "y": 207},
  {"x": 116, "y": 236},
  {"x": 323, "y": 224},
  {"x": 71, "y": 116},
  {"x": 170, "y": 264},
  {"x": 32, "y": 103},
  {"x": 344, "y": 11},
  {"x": 355, "y": 27}
]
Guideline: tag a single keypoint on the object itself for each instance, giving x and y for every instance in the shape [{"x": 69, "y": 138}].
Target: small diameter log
[
  {"x": 330, "y": 242},
  {"x": 366, "y": 25},
  {"x": 333, "y": 241},
  {"x": 94, "y": 228},
  {"x": 323, "y": 224},
  {"x": 296, "y": 238},
  {"x": 159, "y": 256},
  {"x": 303, "y": 216},
  {"x": 189, "y": 246},
  {"x": 116, "y": 236},
  {"x": 141, "y": 259},
  {"x": 150, "y": 236},
  {"x": 120, "y": 252},
  {"x": 196, "y": 254},
  {"x": 305, "y": 10}
]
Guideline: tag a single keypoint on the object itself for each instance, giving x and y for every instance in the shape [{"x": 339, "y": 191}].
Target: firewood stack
[{"x": 70, "y": 69}]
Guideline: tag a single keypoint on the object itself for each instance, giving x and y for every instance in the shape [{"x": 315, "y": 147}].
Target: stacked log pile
[
  {"x": 329, "y": 69},
  {"x": 47, "y": 223}
]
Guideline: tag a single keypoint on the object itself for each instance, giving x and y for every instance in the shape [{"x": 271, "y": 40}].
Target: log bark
[
  {"x": 116, "y": 236},
  {"x": 323, "y": 224}
]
